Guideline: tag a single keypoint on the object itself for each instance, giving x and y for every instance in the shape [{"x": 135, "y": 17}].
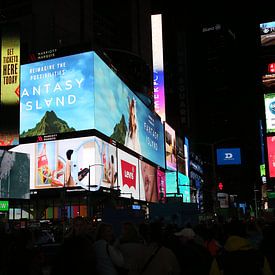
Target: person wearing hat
[{"x": 193, "y": 256}]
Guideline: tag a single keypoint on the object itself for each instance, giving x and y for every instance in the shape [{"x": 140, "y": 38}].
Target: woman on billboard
[{"x": 132, "y": 137}]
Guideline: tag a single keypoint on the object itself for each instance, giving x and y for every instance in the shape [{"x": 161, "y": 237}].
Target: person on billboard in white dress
[{"x": 132, "y": 137}]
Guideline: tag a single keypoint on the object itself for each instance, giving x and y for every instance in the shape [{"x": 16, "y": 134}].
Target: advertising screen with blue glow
[
  {"x": 121, "y": 115},
  {"x": 184, "y": 187},
  {"x": 228, "y": 156},
  {"x": 171, "y": 183},
  {"x": 56, "y": 96}
]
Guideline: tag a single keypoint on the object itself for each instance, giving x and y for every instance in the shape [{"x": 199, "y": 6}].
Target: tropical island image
[{"x": 49, "y": 124}]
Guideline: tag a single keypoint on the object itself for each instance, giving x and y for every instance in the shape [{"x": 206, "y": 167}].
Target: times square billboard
[
  {"x": 66, "y": 95},
  {"x": 91, "y": 163}
]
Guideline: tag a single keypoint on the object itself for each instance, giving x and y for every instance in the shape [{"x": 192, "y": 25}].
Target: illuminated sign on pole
[{"x": 158, "y": 75}]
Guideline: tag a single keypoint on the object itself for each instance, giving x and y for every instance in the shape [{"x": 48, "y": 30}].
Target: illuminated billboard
[
  {"x": 14, "y": 175},
  {"x": 228, "y": 156},
  {"x": 271, "y": 156},
  {"x": 269, "y": 100},
  {"x": 80, "y": 92},
  {"x": 56, "y": 96},
  {"x": 171, "y": 183},
  {"x": 148, "y": 182},
  {"x": 267, "y": 32},
  {"x": 158, "y": 69},
  {"x": 128, "y": 175},
  {"x": 170, "y": 146},
  {"x": 161, "y": 183},
  {"x": 184, "y": 187},
  {"x": 87, "y": 162},
  {"x": 10, "y": 71},
  {"x": 121, "y": 115}
]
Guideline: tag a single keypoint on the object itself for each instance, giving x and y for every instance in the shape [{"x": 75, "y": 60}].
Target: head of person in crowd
[
  {"x": 104, "y": 231},
  {"x": 186, "y": 234},
  {"x": 129, "y": 233},
  {"x": 80, "y": 226}
]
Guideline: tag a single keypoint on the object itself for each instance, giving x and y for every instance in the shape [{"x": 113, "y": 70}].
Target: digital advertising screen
[
  {"x": 161, "y": 184},
  {"x": 87, "y": 162},
  {"x": 148, "y": 182},
  {"x": 271, "y": 156},
  {"x": 268, "y": 81},
  {"x": 170, "y": 147},
  {"x": 267, "y": 32},
  {"x": 228, "y": 156},
  {"x": 158, "y": 68},
  {"x": 57, "y": 96},
  {"x": 14, "y": 175},
  {"x": 184, "y": 187},
  {"x": 10, "y": 80},
  {"x": 121, "y": 115},
  {"x": 171, "y": 183},
  {"x": 269, "y": 101},
  {"x": 128, "y": 175}
]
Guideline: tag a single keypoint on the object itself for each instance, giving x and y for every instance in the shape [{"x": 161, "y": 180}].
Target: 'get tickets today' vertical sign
[
  {"x": 10, "y": 67},
  {"x": 56, "y": 96}
]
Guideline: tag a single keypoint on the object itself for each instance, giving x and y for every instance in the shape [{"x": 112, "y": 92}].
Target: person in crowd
[
  {"x": 157, "y": 258},
  {"x": 109, "y": 259},
  {"x": 76, "y": 254},
  {"x": 239, "y": 256},
  {"x": 131, "y": 246},
  {"x": 193, "y": 256}
]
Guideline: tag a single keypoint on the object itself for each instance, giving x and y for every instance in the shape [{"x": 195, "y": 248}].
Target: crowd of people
[{"x": 236, "y": 247}]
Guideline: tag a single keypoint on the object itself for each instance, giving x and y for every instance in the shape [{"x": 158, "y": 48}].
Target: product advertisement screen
[
  {"x": 128, "y": 175},
  {"x": 121, "y": 115},
  {"x": 148, "y": 182},
  {"x": 161, "y": 183},
  {"x": 269, "y": 100},
  {"x": 56, "y": 96},
  {"x": 14, "y": 175},
  {"x": 267, "y": 32},
  {"x": 170, "y": 144},
  {"x": 171, "y": 183},
  {"x": 87, "y": 162},
  {"x": 268, "y": 81},
  {"x": 184, "y": 187},
  {"x": 271, "y": 156}
]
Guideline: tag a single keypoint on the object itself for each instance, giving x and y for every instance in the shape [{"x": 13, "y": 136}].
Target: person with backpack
[{"x": 239, "y": 256}]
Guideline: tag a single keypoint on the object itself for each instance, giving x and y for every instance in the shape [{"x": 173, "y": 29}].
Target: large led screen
[
  {"x": 269, "y": 100},
  {"x": 10, "y": 71},
  {"x": 161, "y": 183},
  {"x": 14, "y": 175},
  {"x": 87, "y": 162},
  {"x": 80, "y": 92},
  {"x": 121, "y": 115},
  {"x": 128, "y": 175},
  {"x": 170, "y": 147},
  {"x": 56, "y": 96},
  {"x": 148, "y": 182},
  {"x": 271, "y": 156},
  {"x": 158, "y": 68},
  {"x": 268, "y": 81},
  {"x": 228, "y": 156},
  {"x": 184, "y": 187},
  {"x": 171, "y": 183},
  {"x": 267, "y": 32}
]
